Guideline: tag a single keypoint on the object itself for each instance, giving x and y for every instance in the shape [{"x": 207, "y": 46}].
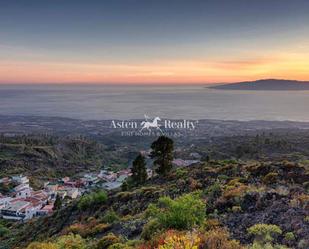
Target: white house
[
  {"x": 20, "y": 209},
  {"x": 107, "y": 175},
  {"x": 20, "y": 179},
  {"x": 15, "y": 210},
  {"x": 22, "y": 186},
  {"x": 4, "y": 201},
  {"x": 24, "y": 192},
  {"x": 73, "y": 193}
]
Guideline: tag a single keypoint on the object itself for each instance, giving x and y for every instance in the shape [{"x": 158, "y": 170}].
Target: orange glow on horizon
[{"x": 284, "y": 66}]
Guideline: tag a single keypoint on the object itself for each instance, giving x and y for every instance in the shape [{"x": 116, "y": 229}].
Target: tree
[
  {"x": 162, "y": 152},
  {"x": 125, "y": 186},
  {"x": 139, "y": 172},
  {"x": 58, "y": 203}
]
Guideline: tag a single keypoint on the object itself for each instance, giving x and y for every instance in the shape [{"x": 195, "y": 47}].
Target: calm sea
[{"x": 132, "y": 102}]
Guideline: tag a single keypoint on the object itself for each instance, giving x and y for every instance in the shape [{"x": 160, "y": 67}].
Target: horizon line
[{"x": 143, "y": 83}]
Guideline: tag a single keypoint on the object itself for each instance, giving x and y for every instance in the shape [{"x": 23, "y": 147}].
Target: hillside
[
  {"x": 233, "y": 198},
  {"x": 265, "y": 85},
  {"x": 248, "y": 192},
  {"x": 44, "y": 157}
]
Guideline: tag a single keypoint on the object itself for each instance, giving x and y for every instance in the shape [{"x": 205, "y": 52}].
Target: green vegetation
[
  {"x": 264, "y": 236},
  {"x": 44, "y": 156},
  {"x": 64, "y": 242},
  {"x": 96, "y": 198},
  {"x": 107, "y": 241},
  {"x": 57, "y": 203},
  {"x": 139, "y": 172},
  {"x": 216, "y": 204},
  {"x": 3, "y": 231},
  {"x": 182, "y": 213},
  {"x": 162, "y": 153},
  {"x": 110, "y": 217}
]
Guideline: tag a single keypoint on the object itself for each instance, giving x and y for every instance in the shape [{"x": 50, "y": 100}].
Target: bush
[
  {"x": 303, "y": 244},
  {"x": 120, "y": 246},
  {"x": 151, "y": 229},
  {"x": 3, "y": 231},
  {"x": 236, "y": 209},
  {"x": 108, "y": 240},
  {"x": 182, "y": 213},
  {"x": 264, "y": 233},
  {"x": 219, "y": 239},
  {"x": 289, "y": 236},
  {"x": 212, "y": 193},
  {"x": 235, "y": 191},
  {"x": 96, "y": 198},
  {"x": 110, "y": 217},
  {"x": 174, "y": 240},
  {"x": 42, "y": 245},
  {"x": 71, "y": 241},
  {"x": 89, "y": 229},
  {"x": 270, "y": 178}
]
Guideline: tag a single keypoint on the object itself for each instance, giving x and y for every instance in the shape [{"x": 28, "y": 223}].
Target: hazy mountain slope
[{"x": 266, "y": 84}]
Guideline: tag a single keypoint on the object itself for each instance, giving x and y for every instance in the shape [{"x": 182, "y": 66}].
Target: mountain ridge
[{"x": 265, "y": 84}]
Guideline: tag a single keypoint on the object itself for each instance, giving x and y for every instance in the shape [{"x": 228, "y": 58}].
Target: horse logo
[{"x": 151, "y": 124}]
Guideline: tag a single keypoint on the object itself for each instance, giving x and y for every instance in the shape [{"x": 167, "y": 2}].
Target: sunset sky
[{"x": 153, "y": 41}]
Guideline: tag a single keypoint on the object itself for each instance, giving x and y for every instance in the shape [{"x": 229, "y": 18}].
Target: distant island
[{"x": 265, "y": 85}]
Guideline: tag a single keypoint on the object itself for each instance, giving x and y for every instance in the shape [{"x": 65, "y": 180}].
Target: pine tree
[
  {"x": 58, "y": 203},
  {"x": 139, "y": 172},
  {"x": 162, "y": 153},
  {"x": 125, "y": 186}
]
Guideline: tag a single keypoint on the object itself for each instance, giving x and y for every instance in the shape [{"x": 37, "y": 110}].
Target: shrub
[
  {"x": 194, "y": 184},
  {"x": 180, "y": 172},
  {"x": 219, "y": 239},
  {"x": 301, "y": 201},
  {"x": 267, "y": 246},
  {"x": 289, "y": 236},
  {"x": 110, "y": 217},
  {"x": 108, "y": 240},
  {"x": 120, "y": 246},
  {"x": 96, "y": 198},
  {"x": 42, "y": 245},
  {"x": 182, "y": 213},
  {"x": 3, "y": 231},
  {"x": 236, "y": 209},
  {"x": 180, "y": 240},
  {"x": 89, "y": 229},
  {"x": 235, "y": 191},
  {"x": 71, "y": 241},
  {"x": 303, "y": 244},
  {"x": 210, "y": 224},
  {"x": 270, "y": 178},
  {"x": 151, "y": 229},
  {"x": 76, "y": 228},
  {"x": 264, "y": 233},
  {"x": 213, "y": 192}
]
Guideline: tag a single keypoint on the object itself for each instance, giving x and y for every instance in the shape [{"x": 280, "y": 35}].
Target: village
[{"x": 23, "y": 203}]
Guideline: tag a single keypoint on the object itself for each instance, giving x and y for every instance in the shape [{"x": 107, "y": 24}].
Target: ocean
[{"x": 100, "y": 102}]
